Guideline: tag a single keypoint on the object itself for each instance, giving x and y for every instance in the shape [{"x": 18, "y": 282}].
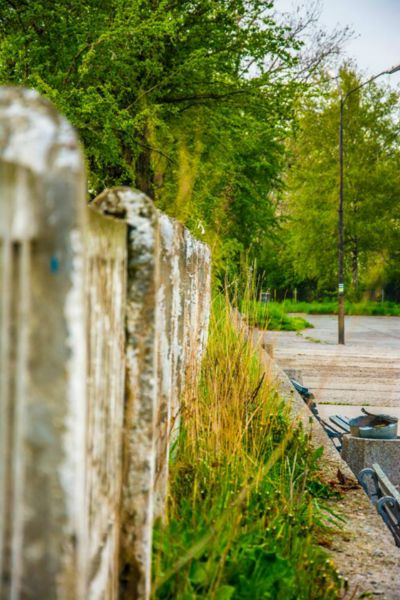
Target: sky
[{"x": 376, "y": 24}]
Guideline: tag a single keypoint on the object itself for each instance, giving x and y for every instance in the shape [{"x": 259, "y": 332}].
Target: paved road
[{"x": 364, "y": 372}]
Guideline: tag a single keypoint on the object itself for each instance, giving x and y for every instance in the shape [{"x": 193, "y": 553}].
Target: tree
[
  {"x": 189, "y": 100},
  {"x": 122, "y": 70},
  {"x": 371, "y": 185}
]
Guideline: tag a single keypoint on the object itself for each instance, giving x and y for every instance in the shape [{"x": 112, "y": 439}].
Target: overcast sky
[{"x": 376, "y": 24}]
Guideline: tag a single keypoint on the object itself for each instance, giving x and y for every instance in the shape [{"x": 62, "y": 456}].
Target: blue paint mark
[{"x": 54, "y": 264}]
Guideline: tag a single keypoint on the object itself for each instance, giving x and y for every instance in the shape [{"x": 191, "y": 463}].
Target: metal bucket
[{"x": 380, "y": 427}]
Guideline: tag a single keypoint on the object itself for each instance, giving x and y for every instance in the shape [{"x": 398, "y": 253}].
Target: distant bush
[
  {"x": 272, "y": 316},
  {"x": 352, "y": 308}
]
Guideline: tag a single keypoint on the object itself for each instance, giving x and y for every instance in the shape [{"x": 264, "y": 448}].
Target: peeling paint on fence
[{"x": 103, "y": 322}]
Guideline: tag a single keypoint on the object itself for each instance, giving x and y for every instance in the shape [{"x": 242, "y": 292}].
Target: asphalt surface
[{"x": 363, "y": 372}]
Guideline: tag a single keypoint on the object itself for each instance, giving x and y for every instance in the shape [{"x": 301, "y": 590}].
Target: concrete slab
[
  {"x": 364, "y": 372},
  {"x": 360, "y": 453}
]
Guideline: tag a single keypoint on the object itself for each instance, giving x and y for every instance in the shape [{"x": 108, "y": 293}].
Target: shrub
[{"x": 272, "y": 316}]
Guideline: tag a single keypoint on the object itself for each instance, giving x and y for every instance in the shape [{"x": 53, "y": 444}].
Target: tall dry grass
[{"x": 246, "y": 512}]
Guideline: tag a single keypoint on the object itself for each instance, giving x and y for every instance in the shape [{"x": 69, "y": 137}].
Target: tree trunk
[
  {"x": 354, "y": 265},
  {"x": 144, "y": 171}
]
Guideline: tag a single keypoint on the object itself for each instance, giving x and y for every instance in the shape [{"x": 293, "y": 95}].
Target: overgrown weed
[
  {"x": 272, "y": 316},
  {"x": 246, "y": 511}
]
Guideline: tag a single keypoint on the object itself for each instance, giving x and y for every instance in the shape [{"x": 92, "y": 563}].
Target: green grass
[
  {"x": 272, "y": 316},
  {"x": 351, "y": 308},
  {"x": 246, "y": 509}
]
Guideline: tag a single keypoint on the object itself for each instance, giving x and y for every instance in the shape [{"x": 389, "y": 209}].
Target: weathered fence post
[{"x": 42, "y": 352}]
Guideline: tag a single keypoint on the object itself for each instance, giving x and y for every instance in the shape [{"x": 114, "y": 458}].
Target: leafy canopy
[
  {"x": 189, "y": 100},
  {"x": 371, "y": 186}
]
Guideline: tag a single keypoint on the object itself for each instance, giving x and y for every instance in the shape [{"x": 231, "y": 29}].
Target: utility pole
[{"x": 341, "y": 236}]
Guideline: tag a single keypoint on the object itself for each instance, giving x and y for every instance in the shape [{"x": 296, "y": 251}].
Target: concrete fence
[{"x": 103, "y": 321}]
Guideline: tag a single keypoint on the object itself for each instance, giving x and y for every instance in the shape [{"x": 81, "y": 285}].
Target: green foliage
[
  {"x": 351, "y": 308},
  {"x": 272, "y": 316},
  {"x": 371, "y": 187},
  {"x": 190, "y": 101},
  {"x": 195, "y": 102},
  {"x": 246, "y": 508}
]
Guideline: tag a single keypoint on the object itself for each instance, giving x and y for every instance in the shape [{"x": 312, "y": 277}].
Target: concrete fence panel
[
  {"x": 103, "y": 321},
  {"x": 139, "y": 445},
  {"x": 106, "y": 282},
  {"x": 167, "y": 321}
]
